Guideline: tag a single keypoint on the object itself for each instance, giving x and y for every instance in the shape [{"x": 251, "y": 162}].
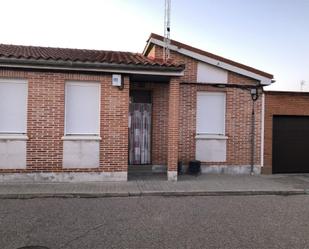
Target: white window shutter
[
  {"x": 82, "y": 115},
  {"x": 210, "y": 113},
  {"x": 13, "y": 106}
]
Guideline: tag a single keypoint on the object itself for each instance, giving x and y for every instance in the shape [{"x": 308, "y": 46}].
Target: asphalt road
[{"x": 156, "y": 222}]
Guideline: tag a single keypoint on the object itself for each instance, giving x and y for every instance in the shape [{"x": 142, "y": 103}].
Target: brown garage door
[{"x": 291, "y": 144}]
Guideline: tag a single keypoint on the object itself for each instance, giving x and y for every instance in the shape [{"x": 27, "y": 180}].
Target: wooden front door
[{"x": 140, "y": 133}]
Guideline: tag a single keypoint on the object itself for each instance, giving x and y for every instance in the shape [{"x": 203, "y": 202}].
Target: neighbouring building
[
  {"x": 86, "y": 115},
  {"x": 286, "y": 132}
]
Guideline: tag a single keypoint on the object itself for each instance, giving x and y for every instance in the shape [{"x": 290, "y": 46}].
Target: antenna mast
[
  {"x": 302, "y": 83},
  {"x": 167, "y": 29}
]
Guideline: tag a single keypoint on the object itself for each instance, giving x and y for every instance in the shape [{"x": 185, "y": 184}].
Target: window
[
  {"x": 13, "y": 106},
  {"x": 210, "y": 114},
  {"x": 82, "y": 108}
]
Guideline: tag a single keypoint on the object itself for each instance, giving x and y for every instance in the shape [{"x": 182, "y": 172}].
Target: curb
[{"x": 154, "y": 193}]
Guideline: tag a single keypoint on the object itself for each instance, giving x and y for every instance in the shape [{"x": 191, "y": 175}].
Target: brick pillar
[
  {"x": 173, "y": 129},
  {"x": 114, "y": 128}
]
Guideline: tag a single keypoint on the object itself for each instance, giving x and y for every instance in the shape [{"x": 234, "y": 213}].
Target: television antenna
[
  {"x": 167, "y": 30},
  {"x": 302, "y": 83}
]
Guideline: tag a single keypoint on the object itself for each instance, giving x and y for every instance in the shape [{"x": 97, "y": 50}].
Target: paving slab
[{"x": 187, "y": 185}]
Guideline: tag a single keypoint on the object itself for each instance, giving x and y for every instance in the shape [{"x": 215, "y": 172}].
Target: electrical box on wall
[{"x": 116, "y": 80}]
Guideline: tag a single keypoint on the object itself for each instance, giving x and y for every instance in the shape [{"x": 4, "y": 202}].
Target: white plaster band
[
  {"x": 13, "y": 137},
  {"x": 172, "y": 175},
  {"x": 71, "y": 138},
  {"x": 230, "y": 169},
  {"x": 63, "y": 177}
]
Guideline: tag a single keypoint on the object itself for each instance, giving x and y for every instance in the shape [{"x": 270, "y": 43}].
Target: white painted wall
[
  {"x": 12, "y": 154},
  {"x": 211, "y": 74},
  {"x": 63, "y": 177},
  {"x": 211, "y": 149},
  {"x": 230, "y": 169},
  {"x": 81, "y": 154}
]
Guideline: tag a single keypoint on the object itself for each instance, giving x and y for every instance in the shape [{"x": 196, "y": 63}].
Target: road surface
[{"x": 156, "y": 222}]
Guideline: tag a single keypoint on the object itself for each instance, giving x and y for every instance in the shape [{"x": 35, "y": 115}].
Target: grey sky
[{"x": 271, "y": 35}]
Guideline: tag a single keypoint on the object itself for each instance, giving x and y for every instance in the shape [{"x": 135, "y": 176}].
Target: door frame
[{"x": 151, "y": 125}]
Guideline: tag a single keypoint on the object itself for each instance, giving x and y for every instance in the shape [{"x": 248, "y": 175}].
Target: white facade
[
  {"x": 81, "y": 154},
  {"x": 64, "y": 177},
  {"x": 207, "y": 73},
  {"x": 12, "y": 154},
  {"x": 211, "y": 148}
]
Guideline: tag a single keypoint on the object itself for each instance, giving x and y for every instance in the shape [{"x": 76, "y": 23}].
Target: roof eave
[
  {"x": 147, "y": 46},
  {"x": 264, "y": 80},
  {"x": 90, "y": 66}
]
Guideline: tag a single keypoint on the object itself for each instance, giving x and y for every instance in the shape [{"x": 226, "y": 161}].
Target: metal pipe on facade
[
  {"x": 254, "y": 95},
  {"x": 252, "y": 138}
]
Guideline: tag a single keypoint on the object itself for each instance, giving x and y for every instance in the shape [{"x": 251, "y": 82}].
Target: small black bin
[
  {"x": 194, "y": 167},
  {"x": 179, "y": 168}
]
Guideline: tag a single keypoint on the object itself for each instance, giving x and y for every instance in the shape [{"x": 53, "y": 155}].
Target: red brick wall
[
  {"x": 173, "y": 125},
  {"x": 191, "y": 64},
  {"x": 187, "y": 125},
  {"x": 46, "y": 121},
  {"x": 238, "y": 114},
  {"x": 237, "y": 126},
  {"x": 280, "y": 103},
  {"x": 114, "y": 126},
  {"x": 159, "y": 128}
]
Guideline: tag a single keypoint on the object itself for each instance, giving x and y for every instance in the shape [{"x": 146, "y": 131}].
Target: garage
[{"x": 290, "y": 144}]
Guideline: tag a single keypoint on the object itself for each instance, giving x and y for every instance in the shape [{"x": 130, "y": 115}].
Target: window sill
[
  {"x": 78, "y": 138},
  {"x": 211, "y": 136},
  {"x": 13, "y": 137}
]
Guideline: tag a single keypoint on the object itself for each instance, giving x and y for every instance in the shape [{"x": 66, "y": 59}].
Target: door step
[
  {"x": 140, "y": 169},
  {"x": 147, "y": 169}
]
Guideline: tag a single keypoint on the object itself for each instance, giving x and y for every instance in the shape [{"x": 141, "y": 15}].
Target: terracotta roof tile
[{"x": 80, "y": 55}]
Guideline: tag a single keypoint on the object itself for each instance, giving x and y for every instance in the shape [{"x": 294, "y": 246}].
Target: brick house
[
  {"x": 85, "y": 115},
  {"x": 286, "y": 132}
]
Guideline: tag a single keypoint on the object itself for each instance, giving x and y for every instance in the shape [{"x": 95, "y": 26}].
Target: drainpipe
[
  {"x": 262, "y": 130},
  {"x": 254, "y": 95}
]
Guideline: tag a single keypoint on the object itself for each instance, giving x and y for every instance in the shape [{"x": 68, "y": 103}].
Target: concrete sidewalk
[{"x": 206, "y": 184}]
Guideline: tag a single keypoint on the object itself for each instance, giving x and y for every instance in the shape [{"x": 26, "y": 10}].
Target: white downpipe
[{"x": 262, "y": 129}]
